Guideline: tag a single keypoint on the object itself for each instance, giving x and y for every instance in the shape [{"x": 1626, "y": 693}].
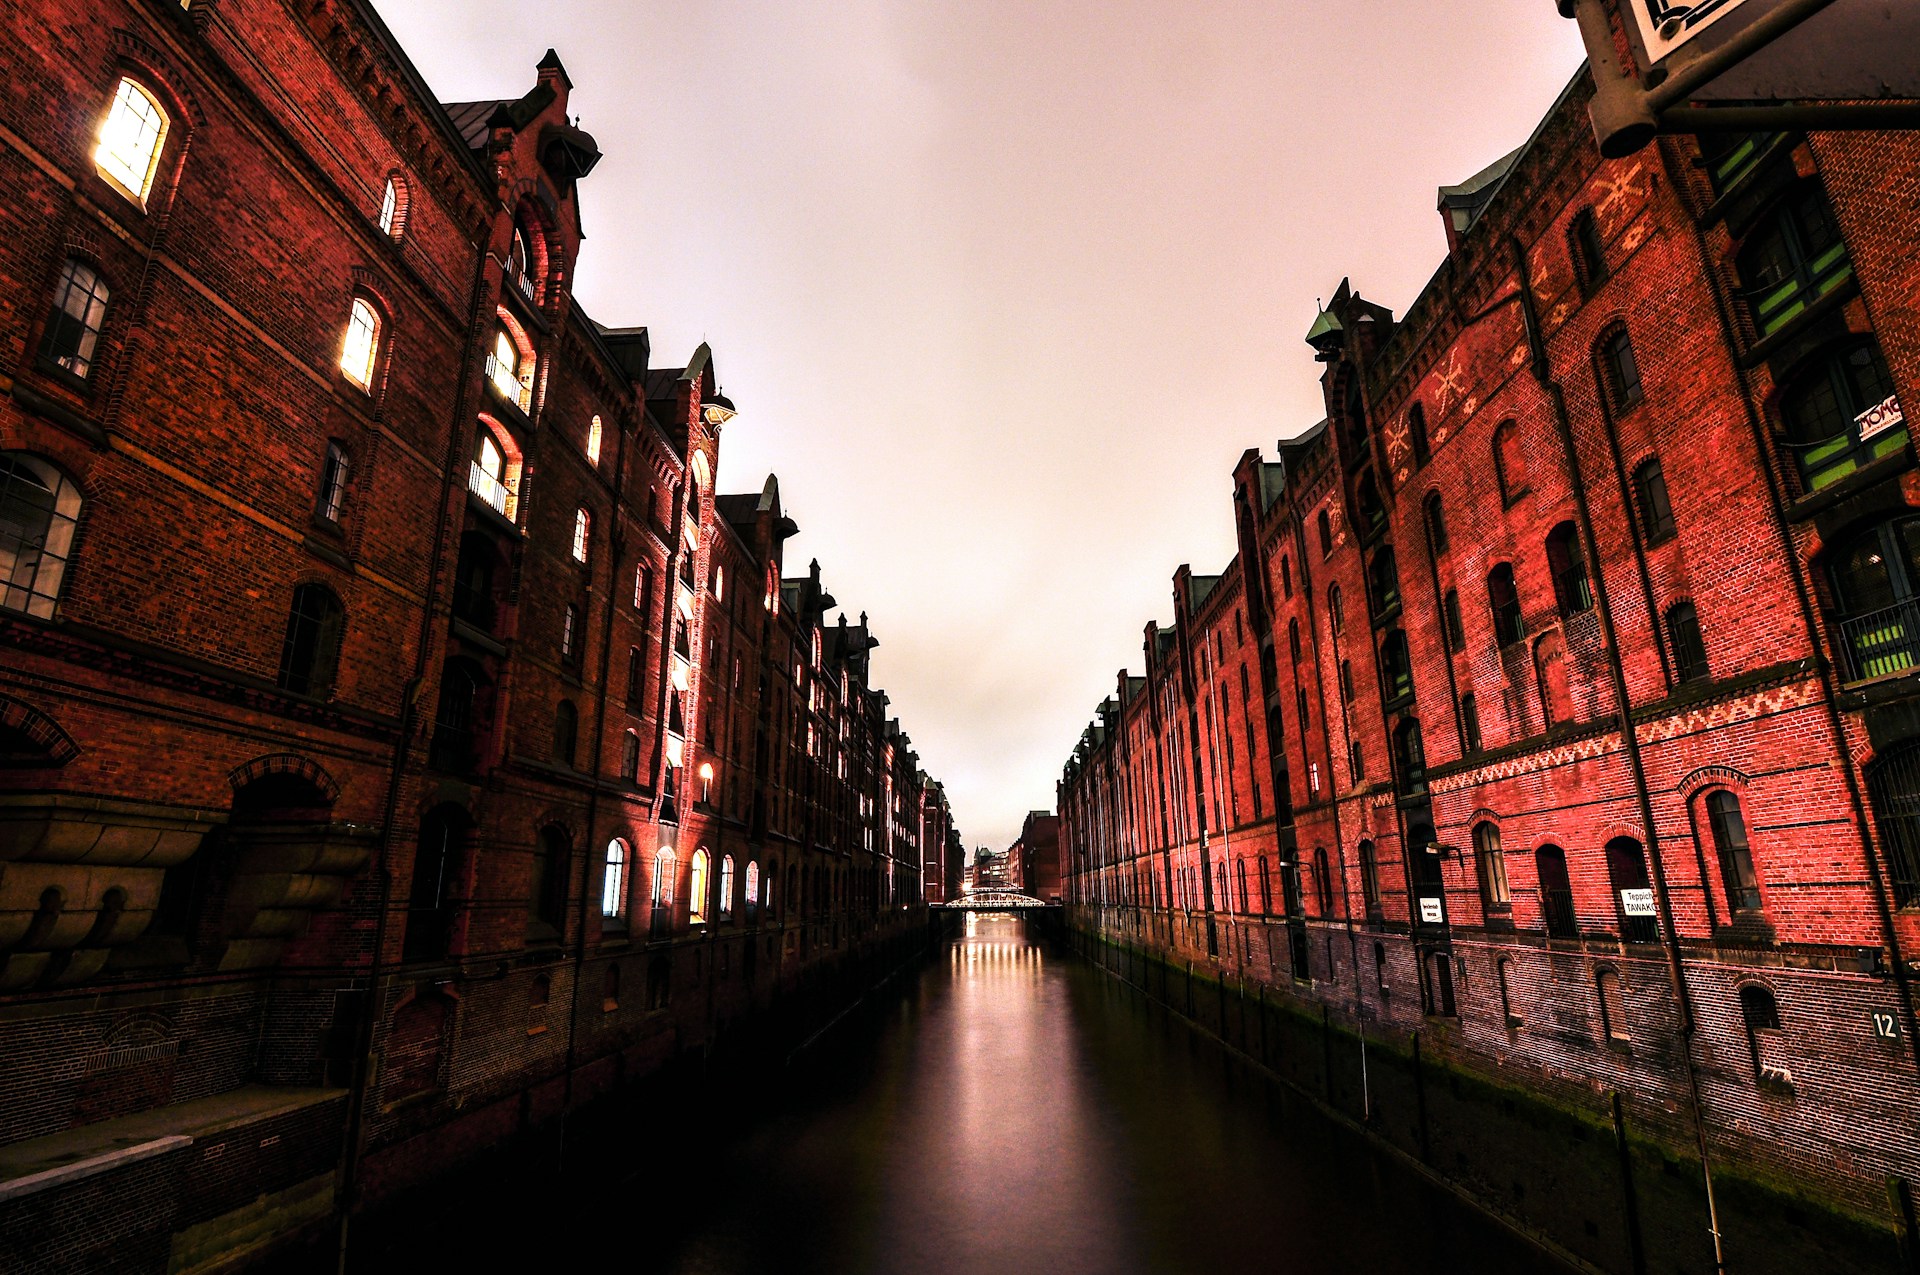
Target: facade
[
  {"x": 401, "y": 741},
  {"x": 939, "y": 844},
  {"x": 1555, "y": 730},
  {"x": 1036, "y": 856}
]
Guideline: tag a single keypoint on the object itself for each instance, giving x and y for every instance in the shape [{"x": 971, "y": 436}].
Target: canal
[{"x": 1011, "y": 1110}]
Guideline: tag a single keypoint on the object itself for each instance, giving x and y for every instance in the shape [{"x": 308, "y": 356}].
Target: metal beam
[{"x": 1832, "y": 117}]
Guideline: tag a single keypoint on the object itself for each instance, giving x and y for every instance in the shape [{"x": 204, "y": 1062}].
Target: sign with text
[
  {"x": 1636, "y": 902},
  {"x": 1885, "y": 1025},
  {"x": 1880, "y": 417},
  {"x": 1430, "y": 911}
]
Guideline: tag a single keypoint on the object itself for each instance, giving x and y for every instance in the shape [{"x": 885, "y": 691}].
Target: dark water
[{"x": 1016, "y": 1111}]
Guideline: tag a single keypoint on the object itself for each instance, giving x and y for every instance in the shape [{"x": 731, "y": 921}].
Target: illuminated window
[
  {"x": 487, "y": 475},
  {"x": 593, "y": 442},
  {"x": 697, "y": 888},
  {"x": 390, "y": 211},
  {"x": 642, "y": 587},
  {"x": 753, "y": 886},
  {"x": 79, "y": 313},
  {"x": 726, "y": 886},
  {"x": 131, "y": 139},
  {"x": 706, "y": 781},
  {"x": 719, "y": 583},
  {"x": 613, "y": 886},
  {"x": 510, "y": 375},
  {"x": 362, "y": 342},
  {"x": 582, "y": 525},
  {"x": 663, "y": 866}
]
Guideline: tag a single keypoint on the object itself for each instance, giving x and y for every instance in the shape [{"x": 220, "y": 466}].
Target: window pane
[
  {"x": 130, "y": 140},
  {"x": 79, "y": 311},
  {"x": 362, "y": 340}
]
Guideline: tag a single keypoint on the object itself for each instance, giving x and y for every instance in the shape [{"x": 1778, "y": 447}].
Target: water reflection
[{"x": 1016, "y": 1111}]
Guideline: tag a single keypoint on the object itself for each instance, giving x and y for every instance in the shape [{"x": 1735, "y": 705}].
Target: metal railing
[
  {"x": 1557, "y": 905},
  {"x": 1882, "y": 642},
  {"x": 488, "y": 488}
]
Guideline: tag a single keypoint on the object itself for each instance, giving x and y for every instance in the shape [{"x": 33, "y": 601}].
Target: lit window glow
[
  {"x": 697, "y": 888},
  {"x": 663, "y": 878},
  {"x": 613, "y": 887},
  {"x": 363, "y": 340},
  {"x": 593, "y": 442},
  {"x": 726, "y": 885},
  {"x": 131, "y": 139},
  {"x": 389, "y": 209},
  {"x": 582, "y": 525}
]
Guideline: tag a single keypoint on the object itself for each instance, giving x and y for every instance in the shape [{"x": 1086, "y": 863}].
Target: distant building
[{"x": 1034, "y": 860}]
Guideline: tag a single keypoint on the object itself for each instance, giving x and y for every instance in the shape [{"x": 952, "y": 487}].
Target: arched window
[
  {"x": 1323, "y": 881},
  {"x": 1326, "y": 534},
  {"x": 1383, "y": 583},
  {"x": 566, "y": 732},
  {"x": 1504, "y": 969},
  {"x": 1396, "y": 668},
  {"x": 393, "y": 209},
  {"x": 663, "y": 871},
  {"x": 494, "y": 474},
  {"x": 1839, "y": 413},
  {"x": 1550, "y": 668},
  {"x": 1509, "y": 462},
  {"x": 1286, "y": 576},
  {"x": 1650, "y": 495},
  {"x": 697, "y": 888},
  {"x": 1410, "y": 757},
  {"x": 1683, "y": 637},
  {"x": 79, "y": 315},
  {"x": 593, "y": 441},
  {"x": 547, "y": 884},
  {"x": 726, "y": 886},
  {"x": 361, "y": 345},
  {"x": 1620, "y": 370},
  {"x": 1417, "y": 434},
  {"x": 39, "y": 509},
  {"x": 510, "y": 367},
  {"x": 1729, "y": 829},
  {"x": 582, "y": 531},
  {"x": 1568, "y": 566},
  {"x": 1503, "y": 601},
  {"x": 1336, "y": 610},
  {"x": 1589, "y": 256},
  {"x": 570, "y": 634},
  {"x": 1470, "y": 740},
  {"x": 1495, "y": 894},
  {"x": 1759, "y": 1012},
  {"x": 613, "y": 882},
  {"x": 1455, "y": 628},
  {"x": 1436, "y": 525},
  {"x": 753, "y": 889},
  {"x": 131, "y": 139},
  {"x": 524, "y": 262},
  {"x": 1369, "y": 877},
  {"x": 1556, "y": 892},
  {"x": 310, "y": 654},
  {"x": 1791, "y": 259},
  {"x": 1632, "y": 892},
  {"x": 1613, "y": 1007}
]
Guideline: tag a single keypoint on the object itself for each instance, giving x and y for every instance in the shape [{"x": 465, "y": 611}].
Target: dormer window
[{"x": 130, "y": 141}]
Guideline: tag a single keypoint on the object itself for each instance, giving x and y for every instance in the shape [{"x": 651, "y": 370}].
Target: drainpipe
[{"x": 1542, "y": 370}]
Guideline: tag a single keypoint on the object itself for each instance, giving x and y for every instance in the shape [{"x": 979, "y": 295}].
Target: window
[
  {"x": 1456, "y": 629},
  {"x": 457, "y": 720},
  {"x": 1760, "y": 1012},
  {"x": 726, "y": 886},
  {"x": 1621, "y": 370},
  {"x": 718, "y": 582},
  {"x": 1650, "y": 494},
  {"x": 1509, "y": 462},
  {"x": 1550, "y": 668},
  {"x": 1293, "y": 641},
  {"x": 1632, "y": 891},
  {"x": 753, "y": 888},
  {"x": 1380, "y": 968},
  {"x": 429, "y": 907},
  {"x": 362, "y": 343},
  {"x": 1346, "y": 681},
  {"x": 610, "y": 989},
  {"x": 613, "y": 882},
  {"x": 1556, "y": 892},
  {"x": 79, "y": 313},
  {"x": 1370, "y": 877},
  {"x": 642, "y": 587},
  {"x": 310, "y": 655},
  {"x": 547, "y": 885},
  {"x": 697, "y": 888},
  {"x": 1505, "y": 971},
  {"x": 1492, "y": 861},
  {"x": 1383, "y": 583},
  {"x": 1439, "y": 990},
  {"x": 1613, "y": 1007},
  {"x": 1568, "y": 566},
  {"x": 39, "y": 509},
  {"x": 509, "y": 370},
  {"x": 1410, "y": 757},
  {"x": 1286, "y": 576},
  {"x": 630, "y": 757},
  {"x": 1839, "y": 413},
  {"x": 663, "y": 870},
  {"x": 1417, "y": 434},
  {"x": 1470, "y": 738},
  {"x": 1396, "y": 668},
  {"x": 569, "y": 629},
  {"x": 1436, "y": 525},
  {"x": 566, "y": 732},
  {"x": 1504, "y": 602},
  {"x": 131, "y": 140},
  {"x": 593, "y": 442},
  {"x": 1794, "y": 257},
  {"x": 1589, "y": 256},
  {"x": 1336, "y": 610},
  {"x": 1876, "y": 580},
  {"x": 1736, "y": 857},
  {"x": 393, "y": 209},
  {"x": 1356, "y": 761},
  {"x": 1326, "y": 534},
  {"x": 333, "y": 483},
  {"x": 582, "y": 528},
  {"x": 1683, "y": 635},
  {"x": 539, "y": 994},
  {"x": 1322, "y": 881},
  {"x": 491, "y": 475}
]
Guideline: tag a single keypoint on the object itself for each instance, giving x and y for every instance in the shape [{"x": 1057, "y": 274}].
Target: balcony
[
  {"x": 1882, "y": 642},
  {"x": 1776, "y": 304},
  {"x": 506, "y": 382},
  {"x": 488, "y": 488}
]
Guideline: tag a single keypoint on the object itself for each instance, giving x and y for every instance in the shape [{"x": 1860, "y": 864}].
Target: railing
[
  {"x": 1882, "y": 642},
  {"x": 507, "y": 384},
  {"x": 1775, "y": 305},
  {"x": 488, "y": 488},
  {"x": 1558, "y": 907},
  {"x": 521, "y": 280}
]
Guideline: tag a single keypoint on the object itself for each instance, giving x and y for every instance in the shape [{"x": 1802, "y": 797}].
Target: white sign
[
  {"x": 1636, "y": 902},
  {"x": 1879, "y": 418},
  {"x": 1430, "y": 912}
]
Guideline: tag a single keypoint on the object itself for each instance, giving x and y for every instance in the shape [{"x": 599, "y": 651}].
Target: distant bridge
[{"x": 996, "y": 901}]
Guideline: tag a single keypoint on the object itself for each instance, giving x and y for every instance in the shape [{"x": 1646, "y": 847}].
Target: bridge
[{"x": 995, "y": 901}]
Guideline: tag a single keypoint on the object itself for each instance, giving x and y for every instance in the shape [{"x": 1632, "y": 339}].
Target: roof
[
  {"x": 1198, "y": 591},
  {"x": 470, "y": 119},
  {"x": 1466, "y": 201}
]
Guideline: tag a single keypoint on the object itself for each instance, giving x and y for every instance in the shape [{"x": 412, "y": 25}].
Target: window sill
[
  {"x": 327, "y": 553},
  {"x": 1824, "y": 499},
  {"x": 491, "y": 516},
  {"x": 60, "y": 414},
  {"x": 474, "y": 637},
  {"x": 1793, "y": 329}
]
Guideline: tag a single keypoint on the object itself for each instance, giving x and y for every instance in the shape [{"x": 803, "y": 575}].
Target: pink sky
[{"x": 1003, "y": 290}]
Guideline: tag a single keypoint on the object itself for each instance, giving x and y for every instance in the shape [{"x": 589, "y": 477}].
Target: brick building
[
  {"x": 1554, "y": 732},
  {"x": 1035, "y": 856},
  {"x": 403, "y": 741}
]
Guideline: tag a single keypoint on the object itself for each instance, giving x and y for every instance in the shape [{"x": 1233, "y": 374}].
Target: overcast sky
[{"x": 1002, "y": 290}]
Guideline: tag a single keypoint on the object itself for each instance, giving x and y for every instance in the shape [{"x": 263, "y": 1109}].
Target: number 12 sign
[{"x": 1885, "y": 1024}]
